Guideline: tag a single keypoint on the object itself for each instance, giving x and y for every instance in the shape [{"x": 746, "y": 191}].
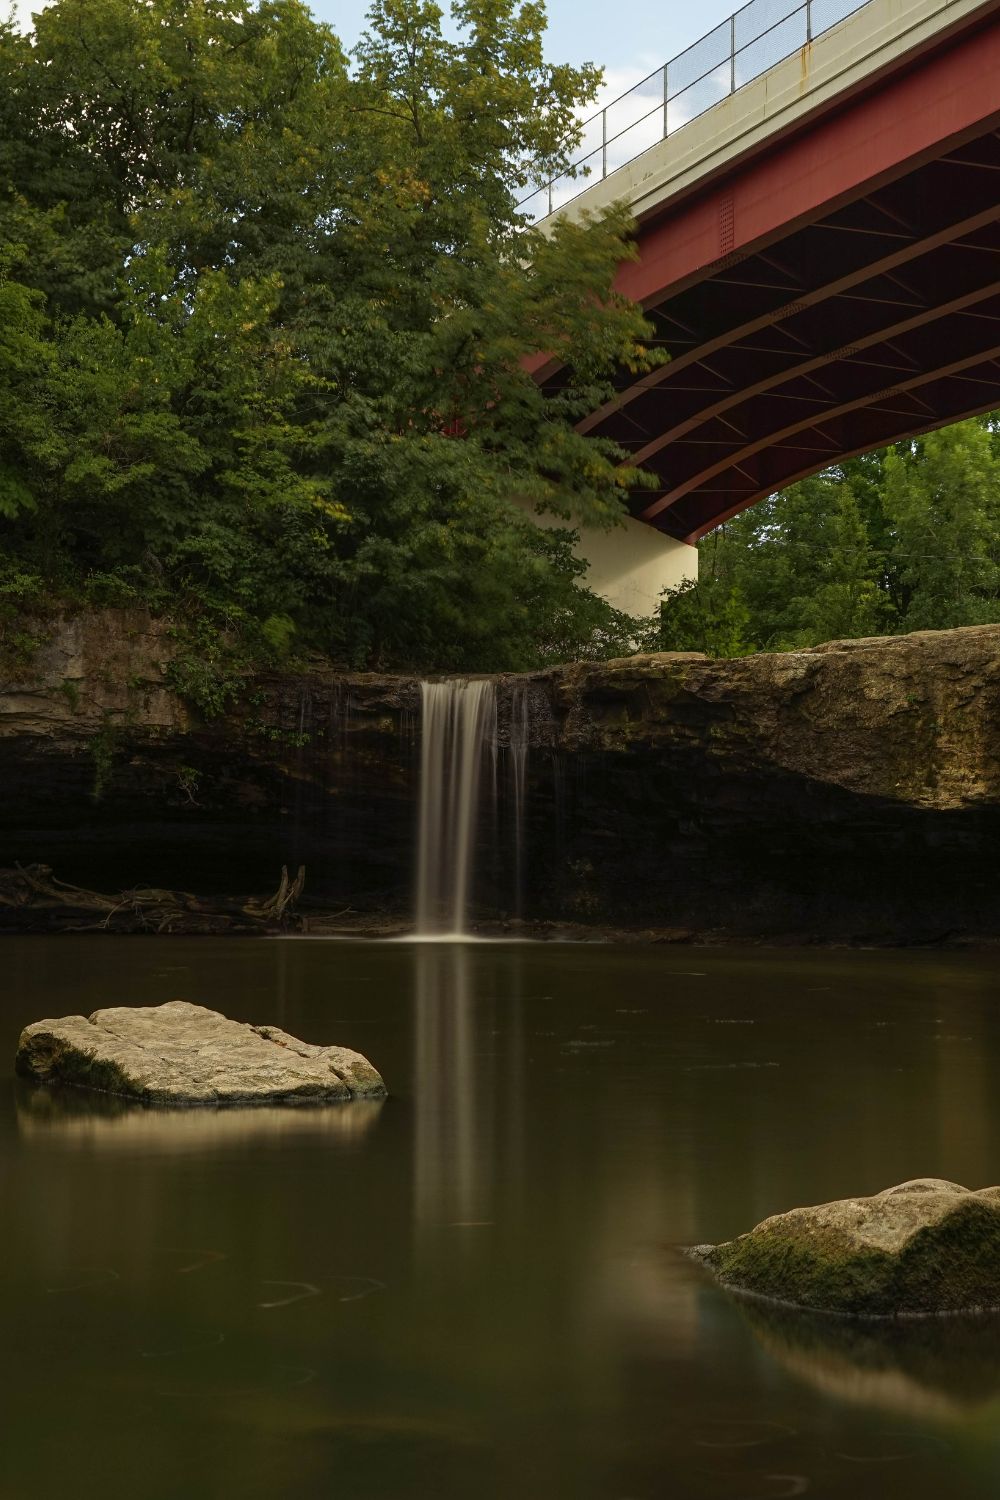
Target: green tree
[
  {"x": 799, "y": 568},
  {"x": 903, "y": 539},
  {"x": 711, "y": 615},
  {"x": 284, "y": 318},
  {"x": 943, "y": 497},
  {"x": 846, "y": 600}
]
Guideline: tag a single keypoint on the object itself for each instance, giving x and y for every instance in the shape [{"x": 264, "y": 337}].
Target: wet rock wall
[{"x": 848, "y": 793}]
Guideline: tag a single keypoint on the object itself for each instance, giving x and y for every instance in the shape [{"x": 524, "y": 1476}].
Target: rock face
[
  {"x": 184, "y": 1054},
  {"x": 924, "y": 1247},
  {"x": 848, "y": 793}
]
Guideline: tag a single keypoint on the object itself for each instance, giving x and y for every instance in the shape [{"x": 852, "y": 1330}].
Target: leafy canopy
[
  {"x": 903, "y": 539},
  {"x": 267, "y": 321}
]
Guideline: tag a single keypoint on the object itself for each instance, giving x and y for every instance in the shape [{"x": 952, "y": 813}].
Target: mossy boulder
[
  {"x": 924, "y": 1247},
  {"x": 185, "y": 1054}
]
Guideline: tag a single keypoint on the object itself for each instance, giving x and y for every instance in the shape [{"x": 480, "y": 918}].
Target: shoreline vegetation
[{"x": 266, "y": 317}]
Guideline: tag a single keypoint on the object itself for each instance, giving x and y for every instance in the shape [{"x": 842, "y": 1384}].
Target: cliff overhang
[{"x": 847, "y": 793}]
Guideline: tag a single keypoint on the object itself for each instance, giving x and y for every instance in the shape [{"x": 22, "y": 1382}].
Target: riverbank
[{"x": 845, "y": 794}]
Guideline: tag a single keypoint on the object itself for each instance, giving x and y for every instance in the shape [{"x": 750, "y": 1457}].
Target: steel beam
[
  {"x": 943, "y": 400},
  {"x": 856, "y": 385}
]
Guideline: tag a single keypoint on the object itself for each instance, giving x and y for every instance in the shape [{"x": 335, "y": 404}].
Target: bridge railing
[{"x": 737, "y": 51}]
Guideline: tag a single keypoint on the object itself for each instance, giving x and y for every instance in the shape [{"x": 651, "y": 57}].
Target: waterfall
[
  {"x": 519, "y": 731},
  {"x": 459, "y": 726}
]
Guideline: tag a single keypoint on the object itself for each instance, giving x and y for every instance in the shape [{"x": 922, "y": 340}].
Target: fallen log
[{"x": 34, "y": 897}]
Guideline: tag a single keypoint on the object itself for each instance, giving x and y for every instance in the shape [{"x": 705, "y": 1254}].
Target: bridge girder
[{"x": 861, "y": 306}]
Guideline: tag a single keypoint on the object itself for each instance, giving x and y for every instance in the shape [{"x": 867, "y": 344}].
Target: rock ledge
[
  {"x": 180, "y": 1053},
  {"x": 924, "y": 1247}
]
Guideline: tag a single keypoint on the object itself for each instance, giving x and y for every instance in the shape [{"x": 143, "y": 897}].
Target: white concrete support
[{"x": 631, "y": 565}]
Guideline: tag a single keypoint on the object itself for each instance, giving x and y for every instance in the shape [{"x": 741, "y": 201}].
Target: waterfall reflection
[
  {"x": 444, "y": 1087},
  {"x": 466, "y": 1070}
]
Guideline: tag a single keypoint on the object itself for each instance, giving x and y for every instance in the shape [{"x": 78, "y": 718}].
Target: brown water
[{"x": 471, "y": 1291}]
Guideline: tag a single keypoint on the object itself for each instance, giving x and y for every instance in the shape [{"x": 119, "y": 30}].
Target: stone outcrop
[
  {"x": 924, "y": 1247},
  {"x": 185, "y": 1054},
  {"x": 849, "y": 793},
  {"x": 913, "y": 718}
]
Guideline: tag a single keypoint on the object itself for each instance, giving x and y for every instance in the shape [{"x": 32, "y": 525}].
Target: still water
[{"x": 472, "y": 1290}]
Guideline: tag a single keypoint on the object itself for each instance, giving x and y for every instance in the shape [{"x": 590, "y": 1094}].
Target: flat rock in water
[
  {"x": 926, "y": 1246},
  {"x": 184, "y": 1054}
]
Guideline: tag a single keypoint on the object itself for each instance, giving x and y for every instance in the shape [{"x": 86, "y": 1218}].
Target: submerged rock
[
  {"x": 185, "y": 1054},
  {"x": 926, "y": 1246}
]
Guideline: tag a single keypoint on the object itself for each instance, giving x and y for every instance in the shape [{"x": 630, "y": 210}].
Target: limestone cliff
[{"x": 846, "y": 793}]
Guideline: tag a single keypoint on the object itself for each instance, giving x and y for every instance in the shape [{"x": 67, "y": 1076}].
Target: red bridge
[{"x": 820, "y": 251}]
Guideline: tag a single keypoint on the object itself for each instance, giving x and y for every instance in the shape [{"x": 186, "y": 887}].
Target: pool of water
[{"x": 474, "y": 1289}]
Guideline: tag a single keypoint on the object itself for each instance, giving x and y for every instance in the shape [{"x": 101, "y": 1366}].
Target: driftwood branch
[
  {"x": 284, "y": 898},
  {"x": 34, "y": 892}
]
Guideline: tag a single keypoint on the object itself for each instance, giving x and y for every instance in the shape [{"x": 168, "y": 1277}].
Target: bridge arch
[{"x": 820, "y": 253}]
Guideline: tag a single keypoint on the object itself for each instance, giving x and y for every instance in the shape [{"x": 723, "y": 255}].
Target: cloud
[
  {"x": 618, "y": 81},
  {"x": 21, "y": 15},
  {"x": 629, "y": 118}
]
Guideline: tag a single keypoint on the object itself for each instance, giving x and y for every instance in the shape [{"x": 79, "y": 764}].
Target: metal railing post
[{"x": 708, "y": 78}]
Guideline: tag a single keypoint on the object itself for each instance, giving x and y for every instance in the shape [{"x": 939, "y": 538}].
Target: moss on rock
[
  {"x": 923, "y": 1247},
  {"x": 55, "y": 1058}
]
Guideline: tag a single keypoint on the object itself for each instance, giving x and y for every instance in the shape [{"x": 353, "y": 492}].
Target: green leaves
[
  {"x": 907, "y": 539},
  {"x": 270, "y": 324},
  {"x": 268, "y": 321},
  {"x": 943, "y": 500},
  {"x": 14, "y": 494}
]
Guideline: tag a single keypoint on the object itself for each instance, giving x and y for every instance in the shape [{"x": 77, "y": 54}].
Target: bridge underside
[{"x": 838, "y": 294}]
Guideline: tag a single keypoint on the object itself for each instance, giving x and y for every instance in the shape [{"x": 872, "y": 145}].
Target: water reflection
[
  {"x": 478, "y": 1297},
  {"x": 930, "y": 1368},
  {"x": 452, "y": 1118},
  {"x": 78, "y": 1120},
  {"x": 468, "y": 1089}
]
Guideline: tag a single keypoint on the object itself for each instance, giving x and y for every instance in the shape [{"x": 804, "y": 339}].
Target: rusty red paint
[{"x": 937, "y": 100}]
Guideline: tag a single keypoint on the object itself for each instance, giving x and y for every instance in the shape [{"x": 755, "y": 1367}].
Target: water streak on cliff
[{"x": 519, "y": 732}]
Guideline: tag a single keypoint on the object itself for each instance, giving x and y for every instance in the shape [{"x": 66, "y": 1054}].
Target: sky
[{"x": 629, "y": 38}]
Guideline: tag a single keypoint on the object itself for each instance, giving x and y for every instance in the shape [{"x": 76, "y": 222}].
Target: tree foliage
[
  {"x": 905, "y": 539},
  {"x": 268, "y": 321},
  {"x": 266, "y": 314}
]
